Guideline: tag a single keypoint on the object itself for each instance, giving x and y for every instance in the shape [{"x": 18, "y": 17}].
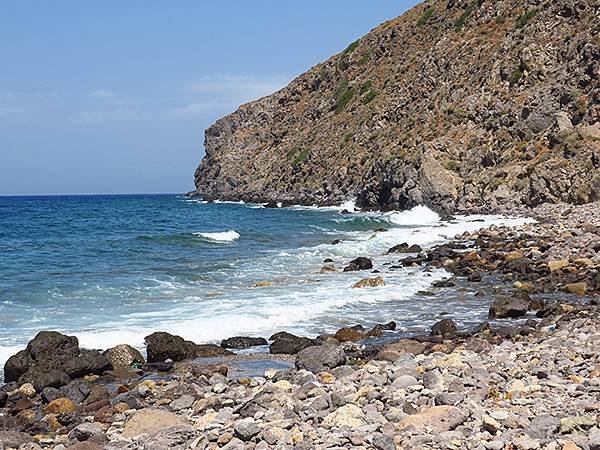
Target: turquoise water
[{"x": 112, "y": 269}]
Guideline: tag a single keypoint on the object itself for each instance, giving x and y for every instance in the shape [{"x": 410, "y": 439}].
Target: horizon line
[{"x": 97, "y": 194}]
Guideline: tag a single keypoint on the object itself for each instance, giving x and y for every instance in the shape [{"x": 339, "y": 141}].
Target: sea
[{"x": 111, "y": 269}]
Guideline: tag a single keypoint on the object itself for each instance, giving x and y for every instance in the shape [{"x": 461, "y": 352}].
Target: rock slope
[{"x": 459, "y": 105}]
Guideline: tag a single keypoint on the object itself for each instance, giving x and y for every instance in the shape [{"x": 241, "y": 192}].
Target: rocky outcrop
[
  {"x": 458, "y": 105},
  {"x": 51, "y": 359}
]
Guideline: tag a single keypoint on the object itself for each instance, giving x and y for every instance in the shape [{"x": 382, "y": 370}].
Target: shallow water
[{"x": 113, "y": 269}]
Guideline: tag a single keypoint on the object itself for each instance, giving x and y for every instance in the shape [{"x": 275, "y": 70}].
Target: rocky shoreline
[{"x": 528, "y": 379}]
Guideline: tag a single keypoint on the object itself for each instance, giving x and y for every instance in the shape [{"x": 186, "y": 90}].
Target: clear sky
[{"x": 114, "y": 96}]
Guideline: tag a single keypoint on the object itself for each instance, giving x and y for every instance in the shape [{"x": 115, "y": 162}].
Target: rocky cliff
[{"x": 459, "y": 105}]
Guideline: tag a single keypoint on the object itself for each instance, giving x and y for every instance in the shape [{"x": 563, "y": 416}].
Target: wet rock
[
  {"x": 320, "y": 358},
  {"x": 124, "y": 357},
  {"x": 289, "y": 344},
  {"x": 504, "y": 306},
  {"x": 405, "y": 248},
  {"x": 390, "y": 326},
  {"x": 360, "y": 263},
  {"x": 210, "y": 350},
  {"x": 243, "y": 342},
  {"x": 444, "y": 328},
  {"x": 346, "y": 334}
]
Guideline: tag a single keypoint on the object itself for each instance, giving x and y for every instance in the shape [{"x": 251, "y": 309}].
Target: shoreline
[{"x": 519, "y": 256}]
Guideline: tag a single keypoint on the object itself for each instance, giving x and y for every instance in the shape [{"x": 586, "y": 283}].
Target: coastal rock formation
[
  {"x": 457, "y": 104},
  {"x": 51, "y": 359}
]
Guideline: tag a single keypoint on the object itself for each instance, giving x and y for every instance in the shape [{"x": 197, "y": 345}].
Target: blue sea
[{"x": 113, "y": 269}]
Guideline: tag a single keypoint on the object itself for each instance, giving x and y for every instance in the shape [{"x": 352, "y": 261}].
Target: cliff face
[{"x": 458, "y": 105}]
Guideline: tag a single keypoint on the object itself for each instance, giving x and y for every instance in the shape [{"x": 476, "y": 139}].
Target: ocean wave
[
  {"x": 221, "y": 236},
  {"x": 347, "y": 205},
  {"x": 419, "y": 215}
]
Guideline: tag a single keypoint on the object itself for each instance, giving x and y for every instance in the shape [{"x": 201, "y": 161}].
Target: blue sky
[{"x": 114, "y": 96}]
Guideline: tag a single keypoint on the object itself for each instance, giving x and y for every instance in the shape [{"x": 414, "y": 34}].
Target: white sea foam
[
  {"x": 347, "y": 205},
  {"x": 419, "y": 215},
  {"x": 301, "y": 300},
  {"x": 224, "y": 236}
]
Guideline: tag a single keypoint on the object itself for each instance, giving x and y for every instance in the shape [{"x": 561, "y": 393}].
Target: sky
[{"x": 114, "y": 97}]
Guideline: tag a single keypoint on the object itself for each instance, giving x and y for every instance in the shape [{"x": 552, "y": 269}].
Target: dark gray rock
[
  {"x": 360, "y": 263},
  {"x": 246, "y": 429},
  {"x": 444, "y": 328},
  {"x": 505, "y": 307},
  {"x": 320, "y": 358},
  {"x": 161, "y": 346},
  {"x": 290, "y": 344},
  {"x": 243, "y": 341},
  {"x": 17, "y": 365},
  {"x": 88, "y": 362},
  {"x": 41, "y": 378},
  {"x": 175, "y": 438}
]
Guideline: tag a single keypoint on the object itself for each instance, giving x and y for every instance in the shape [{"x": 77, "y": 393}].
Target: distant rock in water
[
  {"x": 360, "y": 263},
  {"x": 456, "y": 105}
]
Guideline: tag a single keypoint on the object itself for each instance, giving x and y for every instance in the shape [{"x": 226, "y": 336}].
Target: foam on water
[
  {"x": 209, "y": 297},
  {"x": 226, "y": 236}
]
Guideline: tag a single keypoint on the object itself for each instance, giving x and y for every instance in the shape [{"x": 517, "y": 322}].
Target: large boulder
[
  {"x": 405, "y": 248},
  {"x": 360, "y": 263},
  {"x": 86, "y": 363},
  {"x": 41, "y": 378},
  {"x": 124, "y": 356},
  {"x": 321, "y": 358},
  {"x": 505, "y": 307},
  {"x": 51, "y": 351},
  {"x": 290, "y": 344},
  {"x": 17, "y": 365},
  {"x": 161, "y": 346}
]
